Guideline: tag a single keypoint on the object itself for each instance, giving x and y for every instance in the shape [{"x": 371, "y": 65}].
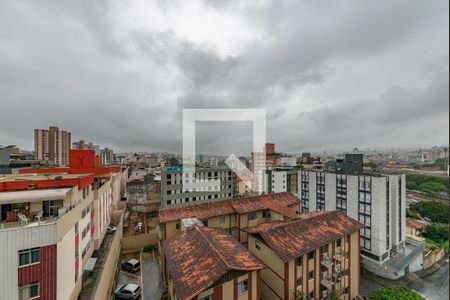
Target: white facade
[
  {"x": 377, "y": 201},
  {"x": 92, "y": 210}
]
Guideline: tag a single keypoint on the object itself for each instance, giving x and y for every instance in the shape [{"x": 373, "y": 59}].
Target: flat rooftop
[
  {"x": 31, "y": 181},
  {"x": 36, "y": 176}
]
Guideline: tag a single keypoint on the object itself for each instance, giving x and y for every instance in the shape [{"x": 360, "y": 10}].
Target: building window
[
  {"x": 29, "y": 256},
  {"x": 299, "y": 261},
  {"x": 222, "y": 220},
  {"x": 257, "y": 245},
  {"x": 311, "y": 255},
  {"x": 209, "y": 297},
  {"x": 299, "y": 281},
  {"x": 29, "y": 291},
  {"x": 242, "y": 286},
  {"x": 177, "y": 226},
  {"x": 252, "y": 215},
  {"x": 311, "y": 275}
]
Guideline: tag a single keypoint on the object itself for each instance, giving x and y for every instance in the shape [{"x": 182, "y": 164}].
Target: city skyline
[{"x": 348, "y": 81}]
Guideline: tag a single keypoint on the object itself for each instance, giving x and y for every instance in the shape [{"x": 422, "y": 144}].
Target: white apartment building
[
  {"x": 50, "y": 225},
  {"x": 377, "y": 201}
]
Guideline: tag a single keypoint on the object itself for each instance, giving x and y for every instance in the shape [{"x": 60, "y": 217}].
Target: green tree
[
  {"x": 437, "y": 233},
  {"x": 401, "y": 293},
  {"x": 437, "y": 212},
  {"x": 298, "y": 295}
]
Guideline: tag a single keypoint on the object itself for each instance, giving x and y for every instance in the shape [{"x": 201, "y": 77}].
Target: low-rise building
[
  {"x": 415, "y": 227},
  {"x": 233, "y": 215},
  {"x": 315, "y": 255},
  {"x": 208, "y": 263}
]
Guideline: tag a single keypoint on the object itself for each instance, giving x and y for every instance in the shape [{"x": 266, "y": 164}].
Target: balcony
[
  {"x": 338, "y": 255},
  {"x": 327, "y": 282},
  {"x": 31, "y": 223},
  {"x": 326, "y": 260}
]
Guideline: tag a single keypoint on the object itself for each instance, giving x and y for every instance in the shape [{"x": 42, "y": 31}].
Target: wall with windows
[
  {"x": 245, "y": 287},
  {"x": 13, "y": 241},
  {"x": 378, "y": 201}
]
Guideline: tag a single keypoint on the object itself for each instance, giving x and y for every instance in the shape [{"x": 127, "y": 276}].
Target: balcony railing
[
  {"x": 327, "y": 282},
  {"x": 326, "y": 260}
]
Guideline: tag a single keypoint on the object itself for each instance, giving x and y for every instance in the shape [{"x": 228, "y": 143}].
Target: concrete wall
[
  {"x": 106, "y": 281},
  {"x": 137, "y": 242},
  {"x": 66, "y": 265},
  {"x": 433, "y": 257}
]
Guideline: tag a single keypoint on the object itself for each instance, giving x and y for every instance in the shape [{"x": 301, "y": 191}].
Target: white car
[
  {"x": 128, "y": 291},
  {"x": 111, "y": 229}
]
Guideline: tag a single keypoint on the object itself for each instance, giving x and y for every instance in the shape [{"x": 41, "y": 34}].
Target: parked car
[
  {"x": 111, "y": 229},
  {"x": 128, "y": 291},
  {"x": 133, "y": 265}
]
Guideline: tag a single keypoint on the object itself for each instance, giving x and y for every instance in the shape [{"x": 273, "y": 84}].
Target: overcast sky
[{"x": 332, "y": 75}]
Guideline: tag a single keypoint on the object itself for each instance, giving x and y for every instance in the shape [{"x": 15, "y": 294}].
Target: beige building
[
  {"x": 52, "y": 145},
  {"x": 313, "y": 256},
  {"x": 207, "y": 263},
  {"x": 233, "y": 215}
]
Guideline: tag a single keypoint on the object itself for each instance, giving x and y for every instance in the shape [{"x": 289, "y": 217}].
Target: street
[
  {"x": 151, "y": 278},
  {"x": 432, "y": 287}
]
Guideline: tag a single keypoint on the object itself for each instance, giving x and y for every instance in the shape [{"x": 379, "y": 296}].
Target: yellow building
[
  {"x": 315, "y": 255},
  {"x": 206, "y": 263}
]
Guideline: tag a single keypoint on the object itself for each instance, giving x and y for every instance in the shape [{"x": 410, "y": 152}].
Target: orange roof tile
[
  {"x": 199, "y": 211},
  {"x": 415, "y": 224},
  {"x": 295, "y": 238},
  {"x": 198, "y": 257},
  {"x": 277, "y": 202}
]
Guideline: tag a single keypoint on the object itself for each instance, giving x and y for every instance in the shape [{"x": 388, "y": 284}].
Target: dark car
[
  {"x": 133, "y": 265},
  {"x": 128, "y": 291}
]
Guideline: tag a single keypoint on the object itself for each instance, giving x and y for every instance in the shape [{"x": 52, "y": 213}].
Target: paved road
[
  {"x": 126, "y": 277},
  {"x": 151, "y": 277},
  {"x": 432, "y": 287}
]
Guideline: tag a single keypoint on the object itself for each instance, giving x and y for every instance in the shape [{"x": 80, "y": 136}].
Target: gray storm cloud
[{"x": 332, "y": 74}]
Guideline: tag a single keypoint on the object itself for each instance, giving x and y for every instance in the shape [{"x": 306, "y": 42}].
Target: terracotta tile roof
[
  {"x": 277, "y": 202},
  {"x": 415, "y": 224},
  {"x": 295, "y": 238},
  {"x": 200, "y": 211},
  {"x": 198, "y": 257},
  {"x": 265, "y": 226},
  {"x": 249, "y": 204}
]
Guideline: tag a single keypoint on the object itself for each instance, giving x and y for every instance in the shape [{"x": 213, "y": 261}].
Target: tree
[
  {"x": 298, "y": 295},
  {"x": 334, "y": 295},
  {"x": 401, "y": 293},
  {"x": 435, "y": 211},
  {"x": 437, "y": 233}
]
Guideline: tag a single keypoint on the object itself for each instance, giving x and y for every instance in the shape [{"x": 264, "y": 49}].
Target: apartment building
[
  {"x": 207, "y": 263},
  {"x": 280, "y": 179},
  {"x": 106, "y": 156},
  {"x": 52, "y": 221},
  {"x": 376, "y": 200},
  {"x": 201, "y": 185},
  {"x": 233, "y": 215},
  {"x": 315, "y": 255},
  {"x": 52, "y": 145}
]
